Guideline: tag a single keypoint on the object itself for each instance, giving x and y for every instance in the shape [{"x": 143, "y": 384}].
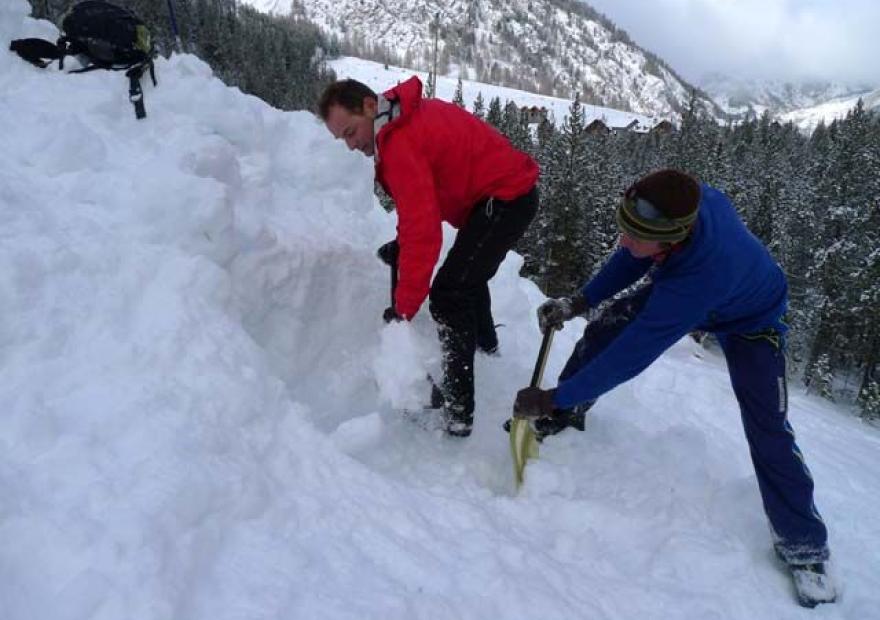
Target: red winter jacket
[{"x": 437, "y": 161}]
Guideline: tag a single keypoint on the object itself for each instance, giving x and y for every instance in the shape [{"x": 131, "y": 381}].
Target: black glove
[
  {"x": 554, "y": 312},
  {"x": 389, "y": 252},
  {"x": 533, "y": 402},
  {"x": 390, "y": 314}
]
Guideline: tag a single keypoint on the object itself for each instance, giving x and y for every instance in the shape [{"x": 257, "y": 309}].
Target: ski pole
[
  {"x": 393, "y": 279},
  {"x": 389, "y": 254}
]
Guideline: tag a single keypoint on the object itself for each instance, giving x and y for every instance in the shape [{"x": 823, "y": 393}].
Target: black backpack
[{"x": 109, "y": 36}]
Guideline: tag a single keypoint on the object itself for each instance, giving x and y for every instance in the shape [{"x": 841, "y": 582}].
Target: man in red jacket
[{"x": 440, "y": 163}]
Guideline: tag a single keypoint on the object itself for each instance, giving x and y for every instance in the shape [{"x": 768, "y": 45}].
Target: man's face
[
  {"x": 639, "y": 248},
  {"x": 353, "y": 127}
]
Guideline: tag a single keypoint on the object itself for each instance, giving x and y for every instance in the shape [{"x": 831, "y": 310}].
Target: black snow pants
[{"x": 459, "y": 299}]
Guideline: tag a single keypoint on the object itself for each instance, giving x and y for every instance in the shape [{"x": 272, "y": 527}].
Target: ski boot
[
  {"x": 812, "y": 584},
  {"x": 458, "y": 423}
]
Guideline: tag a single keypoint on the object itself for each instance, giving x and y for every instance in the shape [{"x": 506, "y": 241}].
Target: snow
[
  {"x": 379, "y": 78},
  {"x": 736, "y": 94},
  {"x": 199, "y": 401},
  {"x": 834, "y": 109},
  {"x": 274, "y": 7}
]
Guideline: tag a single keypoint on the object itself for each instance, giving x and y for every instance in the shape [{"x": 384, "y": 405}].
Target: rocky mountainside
[{"x": 554, "y": 47}]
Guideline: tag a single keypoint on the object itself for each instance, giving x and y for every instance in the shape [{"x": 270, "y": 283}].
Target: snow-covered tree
[
  {"x": 495, "y": 116},
  {"x": 458, "y": 98},
  {"x": 479, "y": 109}
]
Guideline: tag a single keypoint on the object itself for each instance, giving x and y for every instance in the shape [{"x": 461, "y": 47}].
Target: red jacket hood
[{"x": 408, "y": 94}]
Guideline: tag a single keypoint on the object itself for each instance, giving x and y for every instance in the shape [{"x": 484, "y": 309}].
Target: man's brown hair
[{"x": 349, "y": 94}]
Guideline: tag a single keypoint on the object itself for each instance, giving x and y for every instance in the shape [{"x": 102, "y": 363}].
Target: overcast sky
[{"x": 785, "y": 39}]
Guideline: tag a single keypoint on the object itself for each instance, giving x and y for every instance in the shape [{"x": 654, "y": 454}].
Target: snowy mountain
[
  {"x": 555, "y": 47},
  {"x": 741, "y": 96},
  {"x": 201, "y": 404},
  {"x": 808, "y": 118}
]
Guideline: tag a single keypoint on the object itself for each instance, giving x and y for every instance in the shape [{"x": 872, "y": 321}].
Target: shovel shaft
[
  {"x": 538, "y": 373},
  {"x": 523, "y": 444}
]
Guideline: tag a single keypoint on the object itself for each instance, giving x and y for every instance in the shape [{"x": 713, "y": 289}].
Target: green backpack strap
[{"x": 135, "y": 93}]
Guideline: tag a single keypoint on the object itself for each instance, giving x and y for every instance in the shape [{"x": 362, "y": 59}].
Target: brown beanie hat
[{"x": 674, "y": 194}]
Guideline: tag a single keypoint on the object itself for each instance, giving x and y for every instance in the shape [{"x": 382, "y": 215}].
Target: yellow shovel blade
[{"x": 523, "y": 446}]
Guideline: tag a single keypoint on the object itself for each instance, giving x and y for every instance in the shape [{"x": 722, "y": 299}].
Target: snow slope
[
  {"x": 379, "y": 78},
  {"x": 740, "y": 96},
  {"x": 199, "y": 394},
  {"x": 809, "y": 118}
]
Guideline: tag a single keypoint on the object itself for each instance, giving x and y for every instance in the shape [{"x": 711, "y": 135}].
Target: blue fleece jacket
[{"x": 722, "y": 280}]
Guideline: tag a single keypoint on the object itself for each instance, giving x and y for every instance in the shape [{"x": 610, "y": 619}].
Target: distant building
[
  {"x": 597, "y": 126},
  {"x": 535, "y": 115},
  {"x": 632, "y": 126},
  {"x": 663, "y": 127}
]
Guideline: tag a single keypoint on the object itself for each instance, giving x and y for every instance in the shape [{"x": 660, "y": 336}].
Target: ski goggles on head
[{"x": 639, "y": 218}]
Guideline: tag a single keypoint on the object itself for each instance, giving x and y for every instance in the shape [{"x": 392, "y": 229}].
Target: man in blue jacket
[{"x": 706, "y": 272}]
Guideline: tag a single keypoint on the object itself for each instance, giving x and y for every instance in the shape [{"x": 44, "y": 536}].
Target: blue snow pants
[{"x": 756, "y": 364}]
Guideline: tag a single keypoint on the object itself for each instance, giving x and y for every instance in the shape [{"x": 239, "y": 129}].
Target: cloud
[{"x": 781, "y": 39}]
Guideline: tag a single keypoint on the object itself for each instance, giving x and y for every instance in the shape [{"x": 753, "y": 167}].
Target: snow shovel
[{"x": 523, "y": 443}]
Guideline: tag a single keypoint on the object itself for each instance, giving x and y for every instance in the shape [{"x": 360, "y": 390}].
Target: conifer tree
[
  {"x": 494, "y": 116},
  {"x": 869, "y": 400},
  {"x": 534, "y": 246},
  {"x": 822, "y": 377},
  {"x": 694, "y": 143},
  {"x": 566, "y": 224},
  {"x": 515, "y": 126},
  {"x": 798, "y": 229},
  {"x": 479, "y": 109},
  {"x": 458, "y": 98},
  {"x": 859, "y": 161},
  {"x": 847, "y": 326}
]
